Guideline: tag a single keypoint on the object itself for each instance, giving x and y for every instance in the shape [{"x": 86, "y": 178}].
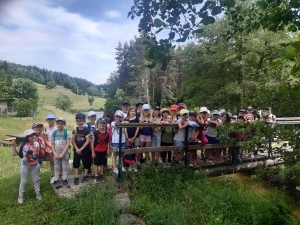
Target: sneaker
[
  {"x": 92, "y": 174},
  {"x": 135, "y": 170},
  {"x": 57, "y": 184},
  {"x": 220, "y": 160},
  {"x": 160, "y": 161},
  {"x": 123, "y": 170},
  {"x": 209, "y": 162},
  {"x": 115, "y": 170},
  {"x": 97, "y": 179},
  {"x": 84, "y": 179},
  {"x": 101, "y": 177},
  {"x": 66, "y": 183},
  {"x": 52, "y": 180},
  {"x": 20, "y": 200},
  {"x": 39, "y": 197},
  {"x": 191, "y": 165},
  {"x": 175, "y": 163},
  {"x": 129, "y": 168},
  {"x": 139, "y": 166},
  {"x": 76, "y": 180}
]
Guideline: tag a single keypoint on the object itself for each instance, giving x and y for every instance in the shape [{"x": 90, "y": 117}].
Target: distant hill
[{"x": 42, "y": 76}]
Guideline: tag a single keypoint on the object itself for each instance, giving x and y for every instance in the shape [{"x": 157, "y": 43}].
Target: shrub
[
  {"x": 63, "y": 102},
  {"x": 25, "y": 107}
]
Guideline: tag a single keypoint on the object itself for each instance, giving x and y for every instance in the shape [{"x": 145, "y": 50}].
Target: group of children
[{"x": 97, "y": 139}]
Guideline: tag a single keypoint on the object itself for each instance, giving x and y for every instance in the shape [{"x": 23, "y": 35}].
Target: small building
[{"x": 6, "y": 106}]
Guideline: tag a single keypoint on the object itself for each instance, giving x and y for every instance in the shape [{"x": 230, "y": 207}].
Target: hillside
[{"x": 80, "y": 102}]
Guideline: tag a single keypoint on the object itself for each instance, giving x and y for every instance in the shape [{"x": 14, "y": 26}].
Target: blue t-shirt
[
  {"x": 146, "y": 131},
  {"x": 81, "y": 136}
]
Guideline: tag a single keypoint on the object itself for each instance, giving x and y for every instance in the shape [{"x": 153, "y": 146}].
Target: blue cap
[
  {"x": 215, "y": 112},
  {"x": 102, "y": 120},
  {"x": 80, "y": 116},
  {"x": 50, "y": 116},
  {"x": 146, "y": 107}
]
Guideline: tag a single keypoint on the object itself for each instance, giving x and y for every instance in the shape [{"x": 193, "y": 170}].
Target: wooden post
[{"x": 120, "y": 172}]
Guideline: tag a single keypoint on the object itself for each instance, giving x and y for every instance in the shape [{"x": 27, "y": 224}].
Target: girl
[
  {"x": 156, "y": 135},
  {"x": 173, "y": 111},
  {"x": 132, "y": 133},
  {"x": 193, "y": 140},
  {"x": 145, "y": 132},
  {"x": 119, "y": 116},
  {"x": 29, "y": 164},
  {"x": 226, "y": 121},
  {"x": 51, "y": 120},
  {"x": 202, "y": 119},
  {"x": 167, "y": 135}
]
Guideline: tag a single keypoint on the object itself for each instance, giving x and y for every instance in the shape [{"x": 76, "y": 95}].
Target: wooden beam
[{"x": 124, "y": 125}]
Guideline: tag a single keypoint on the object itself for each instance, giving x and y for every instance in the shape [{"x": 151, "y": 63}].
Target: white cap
[
  {"x": 91, "y": 113},
  {"x": 29, "y": 132},
  {"x": 203, "y": 109},
  {"x": 119, "y": 113},
  {"x": 146, "y": 107}
]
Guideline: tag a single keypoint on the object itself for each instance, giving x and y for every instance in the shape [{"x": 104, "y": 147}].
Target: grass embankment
[{"x": 80, "y": 102}]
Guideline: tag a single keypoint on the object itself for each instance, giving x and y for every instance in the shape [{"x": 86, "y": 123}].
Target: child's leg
[
  {"x": 86, "y": 160},
  {"x": 114, "y": 159},
  {"x": 76, "y": 163},
  {"x": 96, "y": 167},
  {"x": 148, "y": 144},
  {"x": 57, "y": 166},
  {"x": 35, "y": 175},
  {"x": 24, "y": 172},
  {"x": 102, "y": 169},
  {"x": 51, "y": 160},
  {"x": 64, "y": 166},
  {"x": 178, "y": 155}
]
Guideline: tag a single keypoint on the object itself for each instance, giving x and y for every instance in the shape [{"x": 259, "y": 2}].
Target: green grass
[{"x": 80, "y": 102}]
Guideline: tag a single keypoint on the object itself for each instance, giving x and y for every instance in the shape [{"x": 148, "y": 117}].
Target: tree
[
  {"x": 92, "y": 91},
  {"x": 115, "y": 103},
  {"x": 4, "y": 86},
  {"x": 24, "y": 89},
  {"x": 63, "y": 102},
  {"x": 91, "y": 99},
  {"x": 25, "y": 107},
  {"x": 50, "y": 84}
]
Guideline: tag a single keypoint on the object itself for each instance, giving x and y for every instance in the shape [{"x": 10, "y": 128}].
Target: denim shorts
[
  {"x": 179, "y": 143},
  {"x": 116, "y": 146}
]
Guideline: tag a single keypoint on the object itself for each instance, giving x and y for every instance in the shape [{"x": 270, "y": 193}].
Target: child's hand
[
  {"x": 125, "y": 122},
  {"x": 108, "y": 151},
  {"x": 93, "y": 155},
  {"x": 78, "y": 151},
  {"x": 186, "y": 123},
  {"x": 14, "y": 143}
]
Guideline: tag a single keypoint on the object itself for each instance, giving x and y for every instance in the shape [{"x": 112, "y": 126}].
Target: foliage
[
  {"x": 25, "y": 107},
  {"x": 91, "y": 99},
  {"x": 115, "y": 103},
  {"x": 185, "y": 197},
  {"x": 180, "y": 18},
  {"x": 4, "y": 84},
  {"x": 24, "y": 88},
  {"x": 63, "y": 102},
  {"x": 50, "y": 84}
]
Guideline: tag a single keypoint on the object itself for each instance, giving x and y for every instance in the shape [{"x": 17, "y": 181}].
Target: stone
[
  {"x": 128, "y": 219},
  {"x": 122, "y": 202}
]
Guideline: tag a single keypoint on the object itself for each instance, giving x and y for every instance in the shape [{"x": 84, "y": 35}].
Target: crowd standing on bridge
[{"x": 98, "y": 138}]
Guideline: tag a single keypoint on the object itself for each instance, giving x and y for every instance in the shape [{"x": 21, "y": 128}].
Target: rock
[
  {"x": 122, "y": 202},
  {"x": 128, "y": 219}
]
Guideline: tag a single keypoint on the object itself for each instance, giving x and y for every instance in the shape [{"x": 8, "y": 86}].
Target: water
[{"x": 99, "y": 114}]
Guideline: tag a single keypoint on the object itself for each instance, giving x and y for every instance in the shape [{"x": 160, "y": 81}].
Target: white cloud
[
  {"x": 113, "y": 14},
  {"x": 36, "y": 33}
]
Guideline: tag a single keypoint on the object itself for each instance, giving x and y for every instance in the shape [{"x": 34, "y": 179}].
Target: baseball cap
[
  {"x": 242, "y": 110},
  {"x": 208, "y": 111},
  {"x": 80, "y": 116},
  {"x": 29, "y": 132},
  {"x": 222, "y": 111},
  {"x": 138, "y": 104},
  {"x": 230, "y": 114},
  {"x": 157, "y": 107},
  {"x": 234, "y": 117},
  {"x": 146, "y": 107},
  {"x": 119, "y": 113},
  {"x": 125, "y": 103},
  {"x": 102, "y": 120},
  {"x": 165, "y": 110},
  {"x": 181, "y": 104},
  {"x": 184, "y": 111},
  {"x": 250, "y": 108},
  {"x": 174, "y": 107},
  {"x": 203, "y": 109},
  {"x": 268, "y": 108},
  {"x": 241, "y": 117},
  {"x": 192, "y": 113},
  {"x": 61, "y": 119},
  {"x": 50, "y": 116},
  {"x": 215, "y": 112},
  {"x": 91, "y": 113},
  {"x": 35, "y": 124}
]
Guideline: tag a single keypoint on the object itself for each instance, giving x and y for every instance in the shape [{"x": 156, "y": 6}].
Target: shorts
[
  {"x": 179, "y": 143},
  {"x": 101, "y": 158},
  {"x": 145, "y": 138},
  {"x": 212, "y": 140},
  {"x": 136, "y": 142},
  {"x": 115, "y": 148}
]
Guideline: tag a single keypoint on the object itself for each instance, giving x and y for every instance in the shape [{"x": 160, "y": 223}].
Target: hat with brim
[
  {"x": 215, "y": 112},
  {"x": 268, "y": 108},
  {"x": 29, "y": 132},
  {"x": 50, "y": 116},
  {"x": 165, "y": 110},
  {"x": 146, "y": 107},
  {"x": 192, "y": 113},
  {"x": 125, "y": 103},
  {"x": 242, "y": 110},
  {"x": 91, "y": 113},
  {"x": 61, "y": 119},
  {"x": 184, "y": 111},
  {"x": 203, "y": 109},
  {"x": 174, "y": 107},
  {"x": 80, "y": 116},
  {"x": 157, "y": 107},
  {"x": 181, "y": 105},
  {"x": 102, "y": 120},
  {"x": 119, "y": 113},
  {"x": 36, "y": 124},
  {"x": 138, "y": 104}
]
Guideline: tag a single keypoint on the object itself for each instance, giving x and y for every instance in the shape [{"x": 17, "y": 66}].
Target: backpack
[
  {"x": 130, "y": 159},
  {"x": 20, "y": 153},
  {"x": 65, "y": 134}
]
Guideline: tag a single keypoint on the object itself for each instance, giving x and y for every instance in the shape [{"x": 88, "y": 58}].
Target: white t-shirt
[
  {"x": 49, "y": 132},
  {"x": 115, "y": 134},
  {"x": 212, "y": 131},
  {"x": 60, "y": 141}
]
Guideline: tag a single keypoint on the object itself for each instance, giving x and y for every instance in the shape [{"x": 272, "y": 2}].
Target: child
[
  {"x": 91, "y": 124},
  {"x": 132, "y": 133},
  {"x": 30, "y": 152},
  {"x": 236, "y": 150},
  {"x": 179, "y": 137},
  {"x": 202, "y": 119},
  {"x": 173, "y": 112},
  {"x": 82, "y": 151},
  {"x": 100, "y": 149},
  {"x": 211, "y": 136},
  {"x": 119, "y": 116},
  {"x": 60, "y": 142},
  {"x": 125, "y": 107},
  {"x": 193, "y": 140},
  {"x": 50, "y": 119},
  {"x": 167, "y": 136},
  {"x": 156, "y": 134},
  {"x": 146, "y": 132}
]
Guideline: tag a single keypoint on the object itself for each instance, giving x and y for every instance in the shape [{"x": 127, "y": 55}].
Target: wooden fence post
[{"x": 120, "y": 172}]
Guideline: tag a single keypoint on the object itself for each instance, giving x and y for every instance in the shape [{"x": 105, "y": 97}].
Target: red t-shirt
[{"x": 101, "y": 141}]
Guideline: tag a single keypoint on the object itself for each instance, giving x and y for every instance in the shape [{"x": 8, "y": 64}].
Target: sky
[{"x": 76, "y": 37}]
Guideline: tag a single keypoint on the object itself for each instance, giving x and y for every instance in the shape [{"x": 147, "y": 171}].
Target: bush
[
  {"x": 50, "y": 84},
  {"x": 91, "y": 99},
  {"x": 63, "y": 102},
  {"x": 25, "y": 107}
]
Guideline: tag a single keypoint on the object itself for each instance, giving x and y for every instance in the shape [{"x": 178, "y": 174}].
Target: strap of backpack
[
  {"x": 54, "y": 134},
  {"x": 65, "y": 134}
]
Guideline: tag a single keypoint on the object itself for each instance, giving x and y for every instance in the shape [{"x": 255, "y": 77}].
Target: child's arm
[
  {"x": 182, "y": 125},
  {"x": 87, "y": 142},
  {"x": 14, "y": 148},
  {"x": 46, "y": 141},
  {"x": 109, "y": 147},
  {"x": 53, "y": 149},
  {"x": 73, "y": 142},
  {"x": 126, "y": 134},
  {"x": 65, "y": 149},
  {"x": 93, "y": 147},
  {"x": 136, "y": 133}
]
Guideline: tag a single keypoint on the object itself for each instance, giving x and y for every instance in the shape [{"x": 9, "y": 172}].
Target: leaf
[
  {"x": 294, "y": 3},
  {"x": 158, "y": 66},
  {"x": 199, "y": 31},
  {"x": 146, "y": 42},
  {"x": 171, "y": 35},
  {"x": 229, "y": 3},
  {"x": 158, "y": 22},
  {"x": 217, "y": 10},
  {"x": 273, "y": 64},
  {"x": 159, "y": 30},
  {"x": 290, "y": 52},
  {"x": 295, "y": 68}
]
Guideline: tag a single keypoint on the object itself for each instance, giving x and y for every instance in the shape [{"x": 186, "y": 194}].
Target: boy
[
  {"x": 179, "y": 137},
  {"x": 50, "y": 119},
  {"x": 193, "y": 136},
  {"x": 100, "y": 149},
  {"x": 82, "y": 151},
  {"x": 91, "y": 124},
  {"x": 60, "y": 142},
  {"x": 125, "y": 107}
]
